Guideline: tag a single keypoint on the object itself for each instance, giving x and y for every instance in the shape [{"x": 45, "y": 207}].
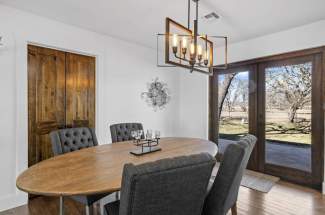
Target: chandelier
[{"x": 185, "y": 47}]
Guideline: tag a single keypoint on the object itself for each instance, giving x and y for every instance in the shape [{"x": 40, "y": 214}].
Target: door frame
[{"x": 316, "y": 178}]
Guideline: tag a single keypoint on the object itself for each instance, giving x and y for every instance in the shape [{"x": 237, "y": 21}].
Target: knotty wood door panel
[
  {"x": 80, "y": 90},
  {"x": 46, "y": 98},
  {"x": 61, "y": 94}
]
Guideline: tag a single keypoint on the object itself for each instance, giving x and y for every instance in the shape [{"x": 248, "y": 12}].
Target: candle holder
[{"x": 147, "y": 145}]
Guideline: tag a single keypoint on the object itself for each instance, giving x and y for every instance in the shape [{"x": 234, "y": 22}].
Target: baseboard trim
[{"x": 12, "y": 201}]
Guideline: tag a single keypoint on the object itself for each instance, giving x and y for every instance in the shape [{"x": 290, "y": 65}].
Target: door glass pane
[
  {"x": 288, "y": 115},
  {"x": 233, "y": 105}
]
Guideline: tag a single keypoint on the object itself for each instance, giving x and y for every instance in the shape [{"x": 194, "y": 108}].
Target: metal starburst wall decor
[{"x": 158, "y": 95}]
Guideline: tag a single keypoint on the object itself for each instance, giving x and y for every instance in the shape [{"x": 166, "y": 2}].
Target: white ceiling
[{"x": 140, "y": 20}]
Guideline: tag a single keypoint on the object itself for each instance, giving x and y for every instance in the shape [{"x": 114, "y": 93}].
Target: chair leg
[
  {"x": 234, "y": 209},
  {"x": 102, "y": 208},
  {"x": 117, "y": 195},
  {"x": 96, "y": 208},
  {"x": 89, "y": 210}
]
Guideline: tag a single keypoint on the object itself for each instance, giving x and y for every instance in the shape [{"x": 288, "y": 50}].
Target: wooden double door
[
  {"x": 279, "y": 99},
  {"x": 61, "y": 94}
]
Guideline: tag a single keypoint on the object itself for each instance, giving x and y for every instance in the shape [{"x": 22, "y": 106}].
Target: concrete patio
[{"x": 283, "y": 154}]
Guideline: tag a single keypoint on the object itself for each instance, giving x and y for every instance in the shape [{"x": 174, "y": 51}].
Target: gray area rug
[{"x": 254, "y": 180}]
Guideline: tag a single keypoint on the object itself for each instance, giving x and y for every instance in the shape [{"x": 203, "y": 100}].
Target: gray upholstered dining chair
[
  {"x": 73, "y": 139},
  {"x": 175, "y": 186},
  {"x": 122, "y": 131},
  {"x": 223, "y": 193}
]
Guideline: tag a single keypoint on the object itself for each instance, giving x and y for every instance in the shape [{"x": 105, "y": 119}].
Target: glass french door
[
  {"x": 234, "y": 109},
  {"x": 279, "y": 99},
  {"x": 290, "y": 103},
  {"x": 233, "y": 89}
]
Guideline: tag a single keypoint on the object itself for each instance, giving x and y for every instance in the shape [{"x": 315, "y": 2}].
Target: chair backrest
[
  {"x": 174, "y": 186},
  {"x": 122, "y": 132},
  {"x": 224, "y": 192},
  {"x": 72, "y": 139}
]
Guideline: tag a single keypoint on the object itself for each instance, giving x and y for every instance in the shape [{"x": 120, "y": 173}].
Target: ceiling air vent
[
  {"x": 1, "y": 42},
  {"x": 211, "y": 16}
]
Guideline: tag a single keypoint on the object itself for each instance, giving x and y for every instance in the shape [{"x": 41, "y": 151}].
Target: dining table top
[{"x": 99, "y": 169}]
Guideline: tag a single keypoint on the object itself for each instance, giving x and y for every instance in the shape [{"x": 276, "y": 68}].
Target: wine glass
[
  {"x": 133, "y": 134},
  {"x": 140, "y": 133},
  {"x": 149, "y": 134},
  {"x": 157, "y": 134}
]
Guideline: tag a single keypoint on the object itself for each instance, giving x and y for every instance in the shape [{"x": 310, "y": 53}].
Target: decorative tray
[{"x": 146, "y": 146}]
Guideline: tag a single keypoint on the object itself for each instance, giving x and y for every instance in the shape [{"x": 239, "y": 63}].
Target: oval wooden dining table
[{"x": 99, "y": 169}]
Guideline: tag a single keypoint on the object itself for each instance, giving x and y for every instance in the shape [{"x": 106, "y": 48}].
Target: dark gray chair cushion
[
  {"x": 224, "y": 191},
  {"x": 174, "y": 186},
  {"x": 72, "y": 139},
  {"x": 122, "y": 132},
  {"x": 113, "y": 208}
]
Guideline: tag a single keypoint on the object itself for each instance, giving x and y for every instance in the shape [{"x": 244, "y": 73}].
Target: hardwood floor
[
  {"x": 284, "y": 199},
  {"x": 46, "y": 206}
]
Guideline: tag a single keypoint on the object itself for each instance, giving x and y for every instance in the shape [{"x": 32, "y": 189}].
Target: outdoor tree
[
  {"x": 232, "y": 96},
  {"x": 233, "y": 92},
  {"x": 228, "y": 103},
  {"x": 223, "y": 87},
  {"x": 242, "y": 92},
  {"x": 291, "y": 83}
]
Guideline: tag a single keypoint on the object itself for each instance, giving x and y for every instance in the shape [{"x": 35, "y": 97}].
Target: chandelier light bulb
[
  {"x": 175, "y": 40},
  {"x": 199, "y": 50},
  {"x": 206, "y": 57},
  {"x": 199, "y": 53},
  {"x": 184, "y": 42},
  {"x": 192, "y": 50}
]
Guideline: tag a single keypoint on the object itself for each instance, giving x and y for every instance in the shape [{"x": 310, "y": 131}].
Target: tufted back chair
[
  {"x": 224, "y": 192},
  {"x": 72, "y": 139},
  {"x": 175, "y": 186},
  {"x": 122, "y": 132}
]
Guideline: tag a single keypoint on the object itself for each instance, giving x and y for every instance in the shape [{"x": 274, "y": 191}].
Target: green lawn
[{"x": 234, "y": 128}]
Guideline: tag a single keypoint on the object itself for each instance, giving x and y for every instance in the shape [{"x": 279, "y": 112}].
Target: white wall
[
  {"x": 124, "y": 82},
  {"x": 304, "y": 37},
  {"x": 193, "y": 105},
  {"x": 123, "y": 69}
]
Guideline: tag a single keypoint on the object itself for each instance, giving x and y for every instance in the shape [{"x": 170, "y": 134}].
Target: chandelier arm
[
  {"x": 189, "y": 14},
  {"x": 181, "y": 58},
  {"x": 197, "y": 12},
  {"x": 199, "y": 64},
  {"x": 200, "y": 71},
  {"x": 192, "y": 62}
]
